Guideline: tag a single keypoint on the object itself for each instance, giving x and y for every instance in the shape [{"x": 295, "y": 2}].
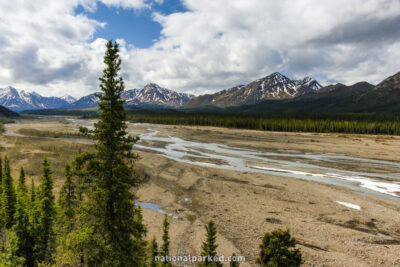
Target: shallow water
[
  {"x": 150, "y": 206},
  {"x": 155, "y": 207},
  {"x": 384, "y": 185}
]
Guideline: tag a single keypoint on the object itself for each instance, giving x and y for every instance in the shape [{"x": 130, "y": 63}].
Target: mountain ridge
[
  {"x": 275, "y": 93},
  {"x": 19, "y": 100},
  {"x": 150, "y": 96},
  {"x": 273, "y": 86},
  {"x": 359, "y": 98}
]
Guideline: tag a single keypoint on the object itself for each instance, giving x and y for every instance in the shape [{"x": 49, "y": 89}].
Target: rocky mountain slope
[
  {"x": 274, "y": 86},
  {"x": 150, "y": 96},
  {"x": 359, "y": 98},
  {"x": 68, "y": 98},
  {"x": 154, "y": 95},
  {"x": 18, "y": 100}
]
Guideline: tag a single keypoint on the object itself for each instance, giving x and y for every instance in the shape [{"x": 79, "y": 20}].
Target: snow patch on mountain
[
  {"x": 19, "y": 100},
  {"x": 274, "y": 86},
  {"x": 68, "y": 98}
]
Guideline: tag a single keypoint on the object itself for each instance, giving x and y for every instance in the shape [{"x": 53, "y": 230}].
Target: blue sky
[{"x": 136, "y": 27}]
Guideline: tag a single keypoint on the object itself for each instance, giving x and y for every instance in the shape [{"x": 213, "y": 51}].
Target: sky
[{"x": 56, "y": 47}]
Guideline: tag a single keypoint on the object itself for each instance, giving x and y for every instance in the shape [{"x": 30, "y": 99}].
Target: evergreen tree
[
  {"x": 153, "y": 253},
  {"x": 277, "y": 250},
  {"x": 12, "y": 259},
  {"x": 8, "y": 197},
  {"x": 234, "y": 262},
  {"x": 45, "y": 211},
  {"x": 32, "y": 207},
  {"x": 140, "y": 231},
  {"x": 21, "y": 241},
  {"x": 80, "y": 169},
  {"x": 33, "y": 214},
  {"x": 21, "y": 183},
  {"x": 209, "y": 247},
  {"x": 108, "y": 216},
  {"x": 32, "y": 193},
  {"x": 1, "y": 176},
  {"x": 164, "y": 253},
  {"x": 67, "y": 205},
  {"x": 67, "y": 202}
]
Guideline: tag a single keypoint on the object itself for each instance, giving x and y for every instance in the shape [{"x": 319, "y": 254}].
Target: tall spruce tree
[
  {"x": 32, "y": 211},
  {"x": 209, "y": 247},
  {"x": 21, "y": 241},
  {"x": 67, "y": 202},
  {"x": 109, "y": 212},
  {"x": 32, "y": 193},
  {"x": 1, "y": 175},
  {"x": 153, "y": 253},
  {"x": 8, "y": 197},
  {"x": 140, "y": 233},
  {"x": 45, "y": 212},
  {"x": 21, "y": 183},
  {"x": 67, "y": 205},
  {"x": 164, "y": 252}
]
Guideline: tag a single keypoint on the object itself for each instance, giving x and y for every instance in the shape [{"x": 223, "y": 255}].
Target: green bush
[{"x": 278, "y": 250}]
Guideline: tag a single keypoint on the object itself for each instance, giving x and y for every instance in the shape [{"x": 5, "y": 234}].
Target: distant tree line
[{"x": 287, "y": 124}]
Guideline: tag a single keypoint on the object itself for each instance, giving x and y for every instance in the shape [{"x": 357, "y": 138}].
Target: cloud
[
  {"x": 134, "y": 4},
  {"x": 211, "y": 46},
  {"x": 218, "y": 44}
]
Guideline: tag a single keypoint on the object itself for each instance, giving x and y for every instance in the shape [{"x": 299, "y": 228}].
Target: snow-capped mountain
[
  {"x": 19, "y": 100},
  {"x": 274, "y": 86},
  {"x": 68, "y": 98},
  {"x": 151, "y": 96},
  {"x": 85, "y": 102},
  {"x": 130, "y": 94},
  {"x": 310, "y": 82}
]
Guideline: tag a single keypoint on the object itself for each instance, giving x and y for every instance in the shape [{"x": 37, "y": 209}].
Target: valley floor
[{"x": 245, "y": 205}]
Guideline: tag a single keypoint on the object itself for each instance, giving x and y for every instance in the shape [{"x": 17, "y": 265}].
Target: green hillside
[
  {"x": 360, "y": 98},
  {"x": 5, "y": 112}
]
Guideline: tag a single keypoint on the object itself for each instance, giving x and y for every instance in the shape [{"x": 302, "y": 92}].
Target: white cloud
[
  {"x": 215, "y": 44},
  {"x": 135, "y": 4},
  {"x": 223, "y": 43}
]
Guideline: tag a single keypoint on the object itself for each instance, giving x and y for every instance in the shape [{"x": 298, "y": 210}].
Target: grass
[
  {"x": 47, "y": 133},
  {"x": 28, "y": 152}
]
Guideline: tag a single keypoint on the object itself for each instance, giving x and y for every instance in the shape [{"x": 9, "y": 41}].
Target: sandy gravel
[{"x": 246, "y": 205}]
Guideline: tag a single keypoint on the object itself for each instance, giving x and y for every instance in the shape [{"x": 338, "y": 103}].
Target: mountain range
[
  {"x": 274, "y": 86},
  {"x": 18, "y": 100},
  {"x": 273, "y": 94},
  {"x": 359, "y": 98},
  {"x": 151, "y": 96}
]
